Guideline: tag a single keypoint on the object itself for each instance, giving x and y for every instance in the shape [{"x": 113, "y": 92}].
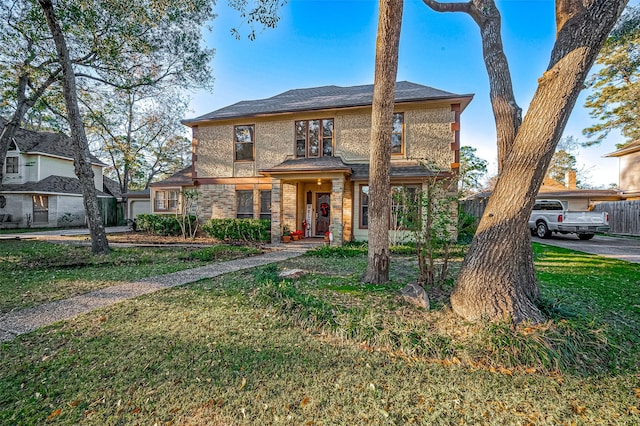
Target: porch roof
[
  {"x": 398, "y": 170},
  {"x": 336, "y": 164},
  {"x": 309, "y": 165}
]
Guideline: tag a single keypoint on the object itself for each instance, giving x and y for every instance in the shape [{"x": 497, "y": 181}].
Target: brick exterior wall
[{"x": 337, "y": 192}]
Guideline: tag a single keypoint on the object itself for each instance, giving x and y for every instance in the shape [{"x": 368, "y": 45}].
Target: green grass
[
  {"x": 35, "y": 272},
  {"x": 248, "y": 348}
]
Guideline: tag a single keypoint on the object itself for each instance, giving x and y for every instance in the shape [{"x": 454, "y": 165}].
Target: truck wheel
[
  {"x": 585, "y": 236},
  {"x": 542, "y": 231}
]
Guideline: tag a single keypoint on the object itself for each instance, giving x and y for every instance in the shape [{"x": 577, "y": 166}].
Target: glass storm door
[{"x": 323, "y": 213}]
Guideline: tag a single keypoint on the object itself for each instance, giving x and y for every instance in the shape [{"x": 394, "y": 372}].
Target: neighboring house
[
  {"x": 628, "y": 170},
  {"x": 575, "y": 199},
  {"x": 39, "y": 187},
  {"x": 303, "y": 156},
  {"x": 166, "y": 193},
  {"x": 138, "y": 202}
]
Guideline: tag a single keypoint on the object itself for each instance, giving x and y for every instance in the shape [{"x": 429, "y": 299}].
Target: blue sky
[{"x": 319, "y": 43}]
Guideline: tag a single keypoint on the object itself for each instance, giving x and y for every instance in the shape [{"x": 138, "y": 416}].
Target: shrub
[
  {"x": 158, "y": 224},
  {"x": 238, "y": 229}
]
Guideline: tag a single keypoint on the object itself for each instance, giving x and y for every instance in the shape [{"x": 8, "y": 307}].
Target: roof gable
[
  {"x": 325, "y": 97},
  {"x": 46, "y": 143}
]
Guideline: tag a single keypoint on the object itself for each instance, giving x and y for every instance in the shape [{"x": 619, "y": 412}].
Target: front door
[{"x": 323, "y": 213}]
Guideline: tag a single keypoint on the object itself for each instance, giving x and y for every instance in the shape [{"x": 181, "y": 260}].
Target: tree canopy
[
  {"x": 472, "y": 170},
  {"x": 614, "y": 102}
]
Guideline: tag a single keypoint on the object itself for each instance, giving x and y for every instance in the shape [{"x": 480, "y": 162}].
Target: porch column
[
  {"x": 276, "y": 211},
  {"x": 337, "y": 198}
]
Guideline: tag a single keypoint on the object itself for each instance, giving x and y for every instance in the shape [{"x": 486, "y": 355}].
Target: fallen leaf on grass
[
  {"x": 304, "y": 402},
  {"x": 637, "y": 392},
  {"x": 633, "y": 410},
  {"x": 54, "y": 413},
  {"x": 506, "y": 371},
  {"x": 74, "y": 404},
  {"x": 243, "y": 384},
  {"x": 135, "y": 410},
  {"x": 578, "y": 409}
]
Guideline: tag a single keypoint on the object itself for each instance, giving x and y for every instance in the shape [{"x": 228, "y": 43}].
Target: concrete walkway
[{"x": 15, "y": 323}]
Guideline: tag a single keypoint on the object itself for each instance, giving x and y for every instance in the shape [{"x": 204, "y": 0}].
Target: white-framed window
[
  {"x": 11, "y": 165},
  {"x": 166, "y": 200},
  {"x": 40, "y": 208}
]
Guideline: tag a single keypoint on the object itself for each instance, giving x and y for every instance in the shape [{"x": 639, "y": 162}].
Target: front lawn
[
  {"x": 248, "y": 348},
  {"x": 34, "y": 272}
]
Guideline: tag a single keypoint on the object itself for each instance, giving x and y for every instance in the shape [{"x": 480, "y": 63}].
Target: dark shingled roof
[
  {"x": 317, "y": 98},
  {"x": 309, "y": 165},
  {"x": 404, "y": 170},
  {"x": 357, "y": 171},
  {"x": 51, "y": 184},
  {"x": 57, "y": 144},
  {"x": 111, "y": 187},
  {"x": 180, "y": 178}
]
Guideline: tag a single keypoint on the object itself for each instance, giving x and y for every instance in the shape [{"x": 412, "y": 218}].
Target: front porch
[
  {"x": 316, "y": 203},
  {"x": 314, "y": 195}
]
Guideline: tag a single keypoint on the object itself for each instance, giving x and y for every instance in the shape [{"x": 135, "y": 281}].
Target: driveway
[
  {"x": 627, "y": 249},
  {"x": 46, "y": 234}
]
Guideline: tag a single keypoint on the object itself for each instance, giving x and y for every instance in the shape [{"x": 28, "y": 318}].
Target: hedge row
[
  {"x": 158, "y": 224},
  {"x": 238, "y": 229}
]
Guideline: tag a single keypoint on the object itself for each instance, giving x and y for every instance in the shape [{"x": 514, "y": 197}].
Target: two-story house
[
  {"x": 40, "y": 188},
  {"x": 302, "y": 157}
]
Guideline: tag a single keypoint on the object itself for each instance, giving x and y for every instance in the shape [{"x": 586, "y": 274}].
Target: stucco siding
[
  {"x": 630, "y": 172},
  {"x": 274, "y": 141},
  {"x": 215, "y": 151},
  {"x": 353, "y": 134},
  {"x": 428, "y": 136}
]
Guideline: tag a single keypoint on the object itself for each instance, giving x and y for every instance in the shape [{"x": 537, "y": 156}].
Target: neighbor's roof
[
  {"x": 111, "y": 187},
  {"x": 47, "y": 143},
  {"x": 182, "y": 177},
  {"x": 49, "y": 185},
  {"x": 626, "y": 149},
  {"x": 325, "y": 97}
]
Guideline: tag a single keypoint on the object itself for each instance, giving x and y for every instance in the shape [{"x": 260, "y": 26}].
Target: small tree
[{"x": 188, "y": 222}]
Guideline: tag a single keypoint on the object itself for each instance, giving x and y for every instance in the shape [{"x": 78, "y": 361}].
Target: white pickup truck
[{"x": 549, "y": 216}]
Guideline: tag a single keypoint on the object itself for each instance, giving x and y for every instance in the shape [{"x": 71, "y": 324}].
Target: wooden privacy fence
[
  {"x": 624, "y": 216},
  {"x": 474, "y": 207}
]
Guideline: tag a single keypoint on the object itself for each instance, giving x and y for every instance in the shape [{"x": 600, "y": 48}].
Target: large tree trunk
[
  {"x": 492, "y": 283},
  {"x": 81, "y": 157},
  {"x": 506, "y": 112},
  {"x": 386, "y": 68}
]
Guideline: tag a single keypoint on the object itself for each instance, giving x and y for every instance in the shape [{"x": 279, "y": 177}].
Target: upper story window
[
  {"x": 11, "y": 165},
  {"x": 244, "y": 137},
  {"x": 314, "y": 138},
  {"x": 397, "y": 134}
]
